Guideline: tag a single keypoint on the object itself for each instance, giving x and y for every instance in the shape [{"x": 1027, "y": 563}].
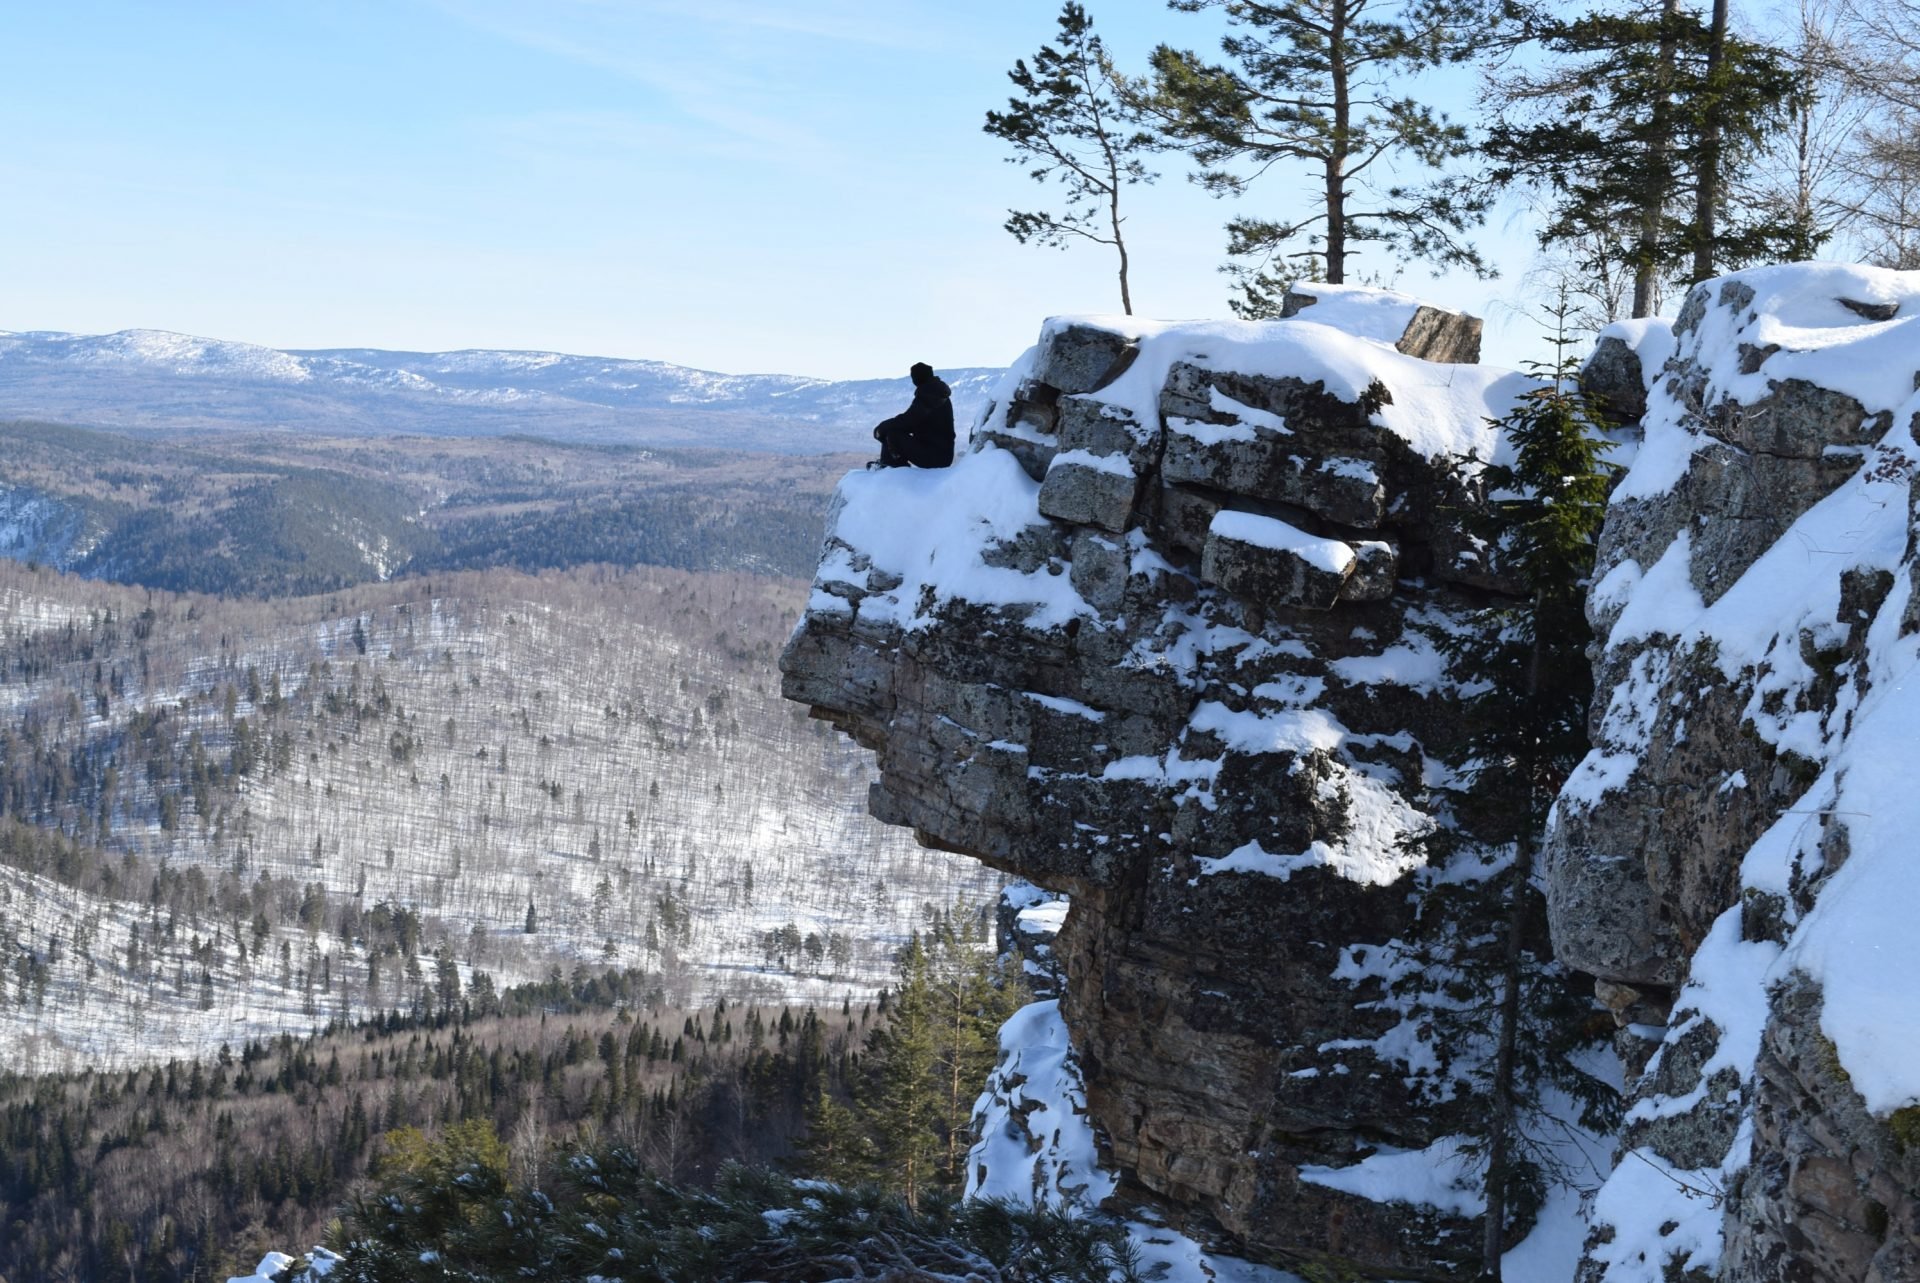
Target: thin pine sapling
[{"x": 1074, "y": 124}]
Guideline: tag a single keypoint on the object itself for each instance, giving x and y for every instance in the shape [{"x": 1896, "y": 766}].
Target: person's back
[
  {"x": 923, "y": 434},
  {"x": 932, "y": 412}
]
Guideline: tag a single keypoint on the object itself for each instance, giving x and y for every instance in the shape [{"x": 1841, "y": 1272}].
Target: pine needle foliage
[
  {"x": 608, "y": 1217},
  {"x": 923, "y": 1068},
  {"x": 1074, "y": 125},
  {"x": 1632, "y": 113},
  {"x": 1317, "y": 87},
  {"x": 1541, "y": 516},
  {"x": 1539, "y": 513}
]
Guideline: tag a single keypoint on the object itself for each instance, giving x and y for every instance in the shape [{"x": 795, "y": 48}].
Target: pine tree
[
  {"x": 924, "y": 1065},
  {"x": 1316, "y": 83},
  {"x": 1638, "y": 122},
  {"x": 836, "y": 1146},
  {"x": 532, "y": 926},
  {"x": 973, "y": 995},
  {"x": 1075, "y": 125},
  {"x": 903, "y": 1105}
]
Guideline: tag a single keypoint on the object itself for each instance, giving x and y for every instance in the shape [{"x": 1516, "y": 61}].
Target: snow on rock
[
  {"x": 1441, "y": 1175},
  {"x": 1037, "y": 1147},
  {"x": 271, "y": 1265},
  {"x": 1359, "y": 310},
  {"x": 318, "y": 1263},
  {"x": 1167, "y": 642},
  {"x": 1439, "y": 411},
  {"x": 1036, "y": 1143},
  {"x": 1734, "y": 860},
  {"x": 928, "y": 532},
  {"x": 1329, "y": 556}
]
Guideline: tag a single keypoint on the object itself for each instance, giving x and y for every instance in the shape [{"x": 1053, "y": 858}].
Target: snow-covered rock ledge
[
  {"x": 1737, "y": 858},
  {"x": 1164, "y": 640}
]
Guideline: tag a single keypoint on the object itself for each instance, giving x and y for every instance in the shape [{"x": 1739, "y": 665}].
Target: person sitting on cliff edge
[{"x": 923, "y": 434}]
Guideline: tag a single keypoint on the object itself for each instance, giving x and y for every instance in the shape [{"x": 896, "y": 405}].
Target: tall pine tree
[
  {"x": 902, "y": 1104},
  {"x": 924, "y": 1066},
  {"x": 973, "y": 995},
  {"x": 1632, "y": 132},
  {"x": 1320, "y": 84}
]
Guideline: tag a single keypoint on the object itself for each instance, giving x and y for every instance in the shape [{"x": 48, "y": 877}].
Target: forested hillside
[
  {"x": 277, "y": 514},
  {"x": 222, "y": 818},
  {"x": 192, "y": 1170}
]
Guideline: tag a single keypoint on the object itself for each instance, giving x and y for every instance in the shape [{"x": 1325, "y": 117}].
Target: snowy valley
[{"x": 225, "y": 819}]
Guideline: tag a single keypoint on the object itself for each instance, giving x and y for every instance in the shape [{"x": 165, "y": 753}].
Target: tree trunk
[
  {"x": 1119, "y": 244},
  {"x": 1336, "y": 177},
  {"x": 1500, "y": 1129},
  {"x": 1707, "y": 197},
  {"x": 1647, "y": 252}
]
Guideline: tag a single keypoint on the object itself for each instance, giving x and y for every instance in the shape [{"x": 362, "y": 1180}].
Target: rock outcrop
[
  {"x": 1170, "y": 641},
  {"x": 1753, "y": 607},
  {"x": 1166, "y": 641}
]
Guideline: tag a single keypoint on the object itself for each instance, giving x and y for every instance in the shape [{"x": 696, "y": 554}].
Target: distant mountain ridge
[{"x": 160, "y": 381}]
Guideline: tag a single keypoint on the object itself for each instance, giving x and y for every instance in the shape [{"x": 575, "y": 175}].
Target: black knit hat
[{"x": 920, "y": 372}]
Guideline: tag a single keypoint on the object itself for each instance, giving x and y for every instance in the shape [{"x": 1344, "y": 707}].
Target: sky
[{"x": 791, "y": 186}]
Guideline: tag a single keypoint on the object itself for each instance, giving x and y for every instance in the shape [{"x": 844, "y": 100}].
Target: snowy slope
[{"x": 600, "y": 750}]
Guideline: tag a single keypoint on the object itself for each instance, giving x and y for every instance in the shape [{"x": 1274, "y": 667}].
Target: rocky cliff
[
  {"x": 1735, "y": 861},
  {"x": 1170, "y": 640}
]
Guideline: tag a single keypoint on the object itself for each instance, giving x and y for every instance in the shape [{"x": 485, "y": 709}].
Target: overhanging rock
[{"x": 1166, "y": 640}]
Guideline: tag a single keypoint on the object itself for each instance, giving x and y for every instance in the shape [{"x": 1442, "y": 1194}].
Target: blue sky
[{"x": 742, "y": 185}]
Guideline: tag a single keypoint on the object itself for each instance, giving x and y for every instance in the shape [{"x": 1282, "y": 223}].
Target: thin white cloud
[
  {"x": 885, "y": 26},
  {"x": 668, "y": 48}
]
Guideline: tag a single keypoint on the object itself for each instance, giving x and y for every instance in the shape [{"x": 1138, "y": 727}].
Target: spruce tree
[
  {"x": 1527, "y": 662},
  {"x": 903, "y": 1106},
  {"x": 973, "y": 995},
  {"x": 1318, "y": 84},
  {"x": 836, "y": 1147},
  {"x": 1074, "y": 125}
]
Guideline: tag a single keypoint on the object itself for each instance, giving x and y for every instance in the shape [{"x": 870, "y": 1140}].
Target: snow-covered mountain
[{"x": 158, "y": 380}]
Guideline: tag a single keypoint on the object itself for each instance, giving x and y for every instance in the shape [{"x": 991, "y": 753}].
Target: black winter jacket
[{"x": 924, "y": 432}]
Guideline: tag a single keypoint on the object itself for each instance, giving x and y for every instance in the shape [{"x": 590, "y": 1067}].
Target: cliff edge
[{"x": 1169, "y": 640}]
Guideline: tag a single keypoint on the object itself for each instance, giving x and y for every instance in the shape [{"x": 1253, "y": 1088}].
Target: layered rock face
[
  {"x": 1165, "y": 641},
  {"x": 1739, "y": 849},
  {"x": 1169, "y": 641}
]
